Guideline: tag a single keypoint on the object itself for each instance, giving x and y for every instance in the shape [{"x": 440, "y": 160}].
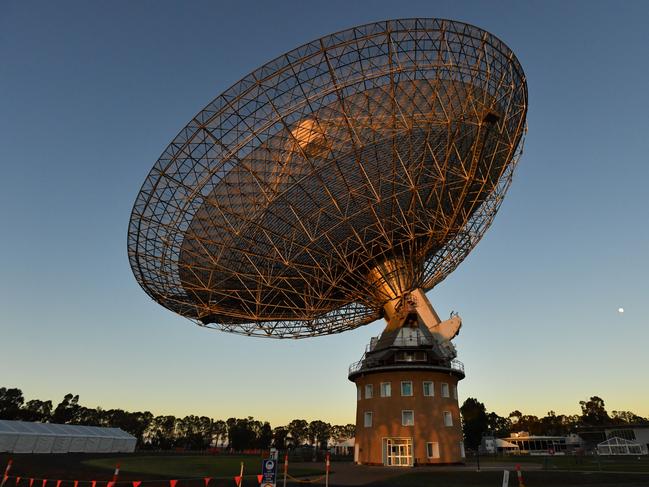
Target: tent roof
[
  {"x": 505, "y": 444},
  {"x": 8, "y": 427},
  {"x": 616, "y": 440}
]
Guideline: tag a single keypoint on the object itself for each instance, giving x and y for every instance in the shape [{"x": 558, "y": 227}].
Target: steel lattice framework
[{"x": 369, "y": 159}]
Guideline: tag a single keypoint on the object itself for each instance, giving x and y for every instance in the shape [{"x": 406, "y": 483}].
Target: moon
[{"x": 620, "y": 310}]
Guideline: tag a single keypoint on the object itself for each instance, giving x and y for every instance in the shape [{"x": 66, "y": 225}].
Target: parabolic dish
[{"x": 370, "y": 159}]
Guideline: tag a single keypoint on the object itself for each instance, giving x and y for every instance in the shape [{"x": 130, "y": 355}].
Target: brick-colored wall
[{"x": 428, "y": 415}]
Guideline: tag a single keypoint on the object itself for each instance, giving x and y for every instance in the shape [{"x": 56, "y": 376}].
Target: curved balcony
[{"x": 365, "y": 365}]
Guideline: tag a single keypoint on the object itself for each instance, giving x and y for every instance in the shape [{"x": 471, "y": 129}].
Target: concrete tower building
[{"x": 407, "y": 408}]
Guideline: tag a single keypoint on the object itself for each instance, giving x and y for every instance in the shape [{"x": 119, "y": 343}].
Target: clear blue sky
[{"x": 92, "y": 92}]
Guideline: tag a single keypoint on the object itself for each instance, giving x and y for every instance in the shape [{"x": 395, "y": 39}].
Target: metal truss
[{"x": 371, "y": 159}]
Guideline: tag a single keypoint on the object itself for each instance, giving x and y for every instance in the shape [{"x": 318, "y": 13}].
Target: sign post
[{"x": 268, "y": 472}]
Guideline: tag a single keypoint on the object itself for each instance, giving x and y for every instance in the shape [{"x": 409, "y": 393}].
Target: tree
[
  {"x": 515, "y": 416},
  {"x": 230, "y": 424},
  {"x": 219, "y": 432},
  {"x": 593, "y": 412},
  {"x": 241, "y": 434},
  {"x": 474, "y": 422},
  {"x": 37, "y": 410},
  {"x": 627, "y": 417},
  {"x": 298, "y": 431},
  {"x": 342, "y": 432},
  {"x": 67, "y": 410},
  {"x": 194, "y": 432},
  {"x": 319, "y": 433},
  {"x": 499, "y": 426},
  {"x": 161, "y": 432},
  {"x": 531, "y": 424},
  {"x": 265, "y": 436},
  {"x": 91, "y": 416},
  {"x": 135, "y": 423},
  {"x": 11, "y": 400},
  {"x": 279, "y": 437}
]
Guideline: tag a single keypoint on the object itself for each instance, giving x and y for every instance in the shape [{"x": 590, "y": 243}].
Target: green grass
[{"x": 190, "y": 465}]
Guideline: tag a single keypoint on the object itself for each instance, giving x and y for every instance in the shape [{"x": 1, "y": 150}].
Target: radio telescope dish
[{"x": 313, "y": 194}]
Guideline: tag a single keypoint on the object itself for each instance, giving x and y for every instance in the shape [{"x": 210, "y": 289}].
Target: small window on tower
[
  {"x": 358, "y": 393},
  {"x": 429, "y": 388},
  {"x": 448, "y": 419},
  {"x": 407, "y": 418},
  {"x": 368, "y": 419},
  {"x": 445, "y": 389},
  {"x": 406, "y": 388},
  {"x": 369, "y": 390},
  {"x": 386, "y": 389},
  {"x": 432, "y": 449}
]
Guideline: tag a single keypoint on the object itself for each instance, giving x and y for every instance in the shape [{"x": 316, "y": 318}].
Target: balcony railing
[{"x": 363, "y": 363}]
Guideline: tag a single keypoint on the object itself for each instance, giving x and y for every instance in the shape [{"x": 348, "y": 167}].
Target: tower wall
[{"x": 428, "y": 414}]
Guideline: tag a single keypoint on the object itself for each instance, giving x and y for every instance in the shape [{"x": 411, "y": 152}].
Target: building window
[
  {"x": 448, "y": 419},
  {"x": 368, "y": 391},
  {"x": 358, "y": 393},
  {"x": 445, "y": 389},
  {"x": 454, "y": 392},
  {"x": 462, "y": 452},
  {"x": 386, "y": 389},
  {"x": 407, "y": 418},
  {"x": 368, "y": 419},
  {"x": 432, "y": 449},
  {"x": 429, "y": 388},
  {"x": 406, "y": 388}
]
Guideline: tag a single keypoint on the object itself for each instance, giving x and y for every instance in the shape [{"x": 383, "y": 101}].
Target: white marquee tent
[
  {"x": 620, "y": 446},
  {"x": 26, "y": 437}
]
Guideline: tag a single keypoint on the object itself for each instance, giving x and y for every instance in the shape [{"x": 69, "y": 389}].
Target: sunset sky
[{"x": 92, "y": 92}]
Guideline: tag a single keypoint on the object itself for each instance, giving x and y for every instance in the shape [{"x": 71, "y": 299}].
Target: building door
[{"x": 398, "y": 452}]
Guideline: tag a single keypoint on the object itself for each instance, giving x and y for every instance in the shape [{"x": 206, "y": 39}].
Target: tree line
[
  {"x": 477, "y": 422},
  {"x": 169, "y": 432}
]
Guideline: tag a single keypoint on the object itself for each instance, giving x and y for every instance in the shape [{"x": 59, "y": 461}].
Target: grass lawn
[
  {"x": 139, "y": 466},
  {"x": 158, "y": 468},
  {"x": 192, "y": 465}
]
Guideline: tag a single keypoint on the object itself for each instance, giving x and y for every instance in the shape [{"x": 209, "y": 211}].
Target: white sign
[{"x": 506, "y": 478}]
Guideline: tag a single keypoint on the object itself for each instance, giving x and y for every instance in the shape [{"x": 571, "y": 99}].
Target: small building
[
  {"x": 543, "y": 445},
  {"x": 492, "y": 446},
  {"x": 343, "y": 447},
  {"x": 28, "y": 437}
]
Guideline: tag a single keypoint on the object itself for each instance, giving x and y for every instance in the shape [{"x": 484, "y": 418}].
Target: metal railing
[{"x": 368, "y": 364}]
